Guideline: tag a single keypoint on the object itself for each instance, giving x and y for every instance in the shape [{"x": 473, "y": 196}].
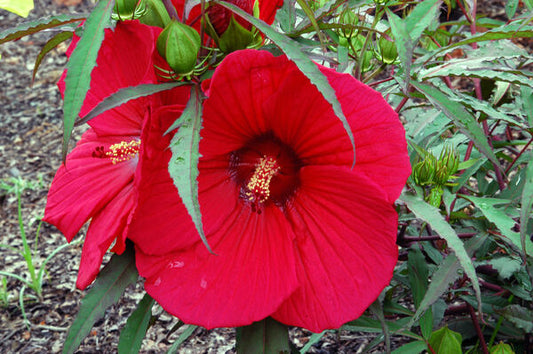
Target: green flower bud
[
  {"x": 441, "y": 174},
  {"x": 387, "y": 51},
  {"x": 449, "y": 158},
  {"x": 424, "y": 171},
  {"x": 128, "y": 9},
  {"x": 349, "y": 18},
  {"x": 235, "y": 37},
  {"x": 179, "y": 44}
]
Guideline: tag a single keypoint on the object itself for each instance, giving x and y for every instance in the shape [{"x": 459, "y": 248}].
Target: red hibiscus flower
[
  {"x": 96, "y": 181},
  {"x": 298, "y": 234}
]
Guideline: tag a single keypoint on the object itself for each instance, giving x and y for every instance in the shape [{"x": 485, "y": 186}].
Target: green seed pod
[
  {"x": 179, "y": 44},
  {"x": 387, "y": 51},
  {"x": 349, "y": 18}
]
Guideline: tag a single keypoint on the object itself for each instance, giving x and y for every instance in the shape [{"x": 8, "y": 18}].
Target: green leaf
[
  {"x": 182, "y": 338},
  {"x": 461, "y": 117},
  {"x": 525, "y": 212},
  {"x": 432, "y": 216},
  {"x": 302, "y": 61},
  {"x": 126, "y": 94},
  {"x": 446, "y": 273},
  {"x": 133, "y": 333},
  {"x": 503, "y": 222},
  {"x": 28, "y": 28},
  {"x": 20, "y": 7},
  {"x": 444, "y": 340},
  {"x": 51, "y": 44},
  {"x": 267, "y": 336},
  {"x": 106, "y": 290},
  {"x": 183, "y": 166},
  {"x": 418, "y": 275},
  {"x": 404, "y": 45},
  {"x": 81, "y": 64},
  {"x": 421, "y": 17},
  {"x": 526, "y": 93},
  {"x": 411, "y": 348},
  {"x": 518, "y": 315},
  {"x": 506, "y": 266},
  {"x": 315, "y": 338},
  {"x": 510, "y": 8},
  {"x": 501, "y": 348}
]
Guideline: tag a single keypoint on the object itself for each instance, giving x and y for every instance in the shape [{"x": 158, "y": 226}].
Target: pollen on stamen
[
  {"x": 123, "y": 151},
  {"x": 258, "y": 187}
]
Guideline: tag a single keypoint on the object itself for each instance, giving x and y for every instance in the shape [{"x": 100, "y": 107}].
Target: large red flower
[
  {"x": 97, "y": 180},
  {"x": 298, "y": 234}
]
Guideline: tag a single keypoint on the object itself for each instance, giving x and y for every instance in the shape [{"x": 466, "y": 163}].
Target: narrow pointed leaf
[
  {"x": 81, "y": 64},
  {"x": 28, "y": 28},
  {"x": 423, "y": 15},
  {"x": 182, "y": 338},
  {"x": 525, "y": 210},
  {"x": 302, "y": 61},
  {"x": 264, "y": 337},
  {"x": 133, "y": 333},
  {"x": 446, "y": 273},
  {"x": 461, "y": 117},
  {"x": 183, "y": 166},
  {"x": 126, "y": 94},
  {"x": 432, "y": 216},
  {"x": 404, "y": 45},
  {"x": 106, "y": 291},
  {"x": 51, "y": 44}
]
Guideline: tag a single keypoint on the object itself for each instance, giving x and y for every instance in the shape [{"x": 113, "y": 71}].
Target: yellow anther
[
  {"x": 123, "y": 151},
  {"x": 258, "y": 188}
]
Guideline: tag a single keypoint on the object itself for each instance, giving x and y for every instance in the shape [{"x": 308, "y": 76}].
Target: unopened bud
[
  {"x": 128, "y": 9},
  {"x": 424, "y": 171},
  {"x": 179, "y": 44},
  {"x": 387, "y": 51}
]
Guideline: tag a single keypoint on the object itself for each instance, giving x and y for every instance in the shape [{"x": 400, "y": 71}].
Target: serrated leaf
[
  {"x": 267, "y": 336},
  {"x": 81, "y": 64},
  {"x": 503, "y": 222},
  {"x": 28, "y": 28},
  {"x": 51, "y": 44},
  {"x": 106, "y": 291},
  {"x": 446, "y": 273},
  {"x": 404, "y": 45},
  {"x": 302, "y": 61},
  {"x": 133, "y": 333},
  {"x": 461, "y": 117},
  {"x": 525, "y": 211},
  {"x": 423, "y": 15},
  {"x": 510, "y": 8},
  {"x": 526, "y": 93},
  {"x": 432, "y": 216},
  {"x": 20, "y": 7},
  {"x": 506, "y": 266},
  {"x": 182, "y": 338},
  {"x": 518, "y": 315},
  {"x": 444, "y": 340},
  {"x": 126, "y": 94},
  {"x": 183, "y": 166}
]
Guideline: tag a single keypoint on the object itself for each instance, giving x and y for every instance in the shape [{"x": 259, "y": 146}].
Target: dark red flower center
[{"x": 266, "y": 171}]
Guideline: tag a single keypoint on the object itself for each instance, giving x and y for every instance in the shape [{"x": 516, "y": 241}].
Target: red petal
[
  {"x": 250, "y": 275},
  {"x": 84, "y": 186},
  {"x": 102, "y": 232},
  {"x": 345, "y": 239}
]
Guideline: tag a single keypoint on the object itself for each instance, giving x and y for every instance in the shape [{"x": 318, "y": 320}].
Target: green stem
[{"x": 27, "y": 254}]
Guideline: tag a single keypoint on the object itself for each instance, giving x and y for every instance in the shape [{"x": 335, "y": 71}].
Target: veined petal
[
  {"x": 345, "y": 243},
  {"x": 85, "y": 184},
  {"x": 102, "y": 232},
  {"x": 251, "y": 274}
]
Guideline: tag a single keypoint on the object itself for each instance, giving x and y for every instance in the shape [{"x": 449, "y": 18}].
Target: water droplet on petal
[
  {"x": 157, "y": 282},
  {"x": 203, "y": 283},
  {"x": 176, "y": 264}
]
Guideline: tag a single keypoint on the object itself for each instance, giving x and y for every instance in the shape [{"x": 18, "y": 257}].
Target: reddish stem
[
  {"x": 402, "y": 103},
  {"x": 479, "y": 332},
  {"x": 517, "y": 156}
]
